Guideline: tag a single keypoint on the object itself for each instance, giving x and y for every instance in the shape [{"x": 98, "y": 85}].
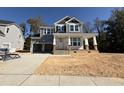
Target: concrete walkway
[
  {"x": 19, "y": 72},
  {"x": 72, "y": 81},
  {"x": 56, "y": 80}
]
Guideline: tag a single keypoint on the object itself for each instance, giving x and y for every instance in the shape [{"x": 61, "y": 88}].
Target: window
[
  {"x": 51, "y": 31},
  {"x": 48, "y": 31},
  {"x": 71, "y": 27},
  {"x": 6, "y": 45},
  {"x": 60, "y": 28},
  {"x": 78, "y": 41},
  {"x": 7, "y": 30},
  {"x": 76, "y": 27},
  {"x": 45, "y": 31},
  {"x": 41, "y": 30},
  {"x": 75, "y": 42}
]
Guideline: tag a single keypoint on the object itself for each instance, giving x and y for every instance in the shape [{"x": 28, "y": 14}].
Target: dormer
[
  {"x": 60, "y": 25},
  {"x": 68, "y": 24},
  {"x": 74, "y": 25}
]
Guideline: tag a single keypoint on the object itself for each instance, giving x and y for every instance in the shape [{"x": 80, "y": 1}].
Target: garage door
[
  {"x": 37, "y": 48},
  {"x": 48, "y": 48}
]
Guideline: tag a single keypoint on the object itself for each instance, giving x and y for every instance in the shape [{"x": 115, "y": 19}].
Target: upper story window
[
  {"x": 76, "y": 28},
  {"x": 71, "y": 27},
  {"x": 48, "y": 31},
  {"x": 52, "y": 31},
  {"x": 7, "y": 30},
  {"x": 61, "y": 28},
  {"x": 42, "y": 31}
]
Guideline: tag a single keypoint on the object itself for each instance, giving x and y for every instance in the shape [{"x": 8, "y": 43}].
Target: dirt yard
[{"x": 87, "y": 64}]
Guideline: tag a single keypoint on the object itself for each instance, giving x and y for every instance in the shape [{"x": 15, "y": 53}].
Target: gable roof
[
  {"x": 6, "y": 22},
  {"x": 73, "y": 18},
  {"x": 63, "y": 20}
]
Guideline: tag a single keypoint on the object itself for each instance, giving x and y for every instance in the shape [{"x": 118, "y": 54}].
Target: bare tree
[
  {"x": 35, "y": 24},
  {"x": 99, "y": 26},
  {"x": 88, "y": 27}
]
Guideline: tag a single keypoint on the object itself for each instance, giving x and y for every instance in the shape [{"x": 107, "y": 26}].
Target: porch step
[
  {"x": 61, "y": 52},
  {"x": 66, "y": 52}
]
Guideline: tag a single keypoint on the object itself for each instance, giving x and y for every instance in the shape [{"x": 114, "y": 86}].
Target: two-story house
[
  {"x": 66, "y": 34},
  {"x": 11, "y": 36}
]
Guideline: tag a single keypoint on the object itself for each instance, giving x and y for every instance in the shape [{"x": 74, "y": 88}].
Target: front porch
[{"x": 66, "y": 42}]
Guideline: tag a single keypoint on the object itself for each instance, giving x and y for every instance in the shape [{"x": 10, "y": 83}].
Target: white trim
[
  {"x": 75, "y": 19},
  {"x": 61, "y": 19},
  {"x": 79, "y": 29}
]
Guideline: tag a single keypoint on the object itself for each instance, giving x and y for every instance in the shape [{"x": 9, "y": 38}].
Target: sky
[{"x": 52, "y": 14}]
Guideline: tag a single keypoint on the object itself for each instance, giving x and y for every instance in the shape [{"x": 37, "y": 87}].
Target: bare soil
[{"x": 83, "y": 63}]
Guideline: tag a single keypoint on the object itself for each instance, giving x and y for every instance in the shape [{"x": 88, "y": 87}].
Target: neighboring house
[
  {"x": 11, "y": 36},
  {"x": 66, "y": 34}
]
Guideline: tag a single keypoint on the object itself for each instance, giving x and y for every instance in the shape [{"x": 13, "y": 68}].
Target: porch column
[
  {"x": 86, "y": 44},
  {"x": 69, "y": 44},
  {"x": 43, "y": 47},
  {"x": 69, "y": 41},
  {"x": 54, "y": 44},
  {"x": 95, "y": 43},
  {"x": 82, "y": 44},
  {"x": 31, "y": 46}
]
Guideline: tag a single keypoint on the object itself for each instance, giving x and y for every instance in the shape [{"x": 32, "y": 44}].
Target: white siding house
[
  {"x": 66, "y": 34},
  {"x": 11, "y": 36}
]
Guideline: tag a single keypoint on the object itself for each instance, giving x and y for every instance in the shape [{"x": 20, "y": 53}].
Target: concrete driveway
[
  {"x": 19, "y": 72},
  {"x": 13, "y": 72},
  {"x": 24, "y": 65}
]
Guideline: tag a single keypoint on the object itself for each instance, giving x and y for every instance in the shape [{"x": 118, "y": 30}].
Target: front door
[{"x": 61, "y": 43}]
